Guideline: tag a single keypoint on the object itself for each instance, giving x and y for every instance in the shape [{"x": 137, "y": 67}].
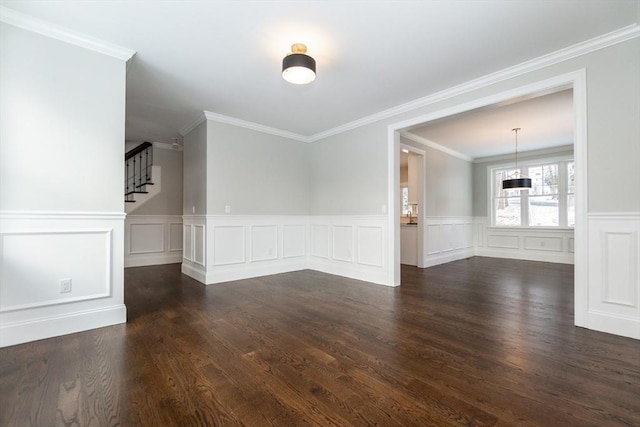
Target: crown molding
[
  {"x": 435, "y": 146},
  {"x": 27, "y": 22},
  {"x": 614, "y": 37},
  {"x": 208, "y": 115},
  {"x": 254, "y": 126},
  {"x": 199, "y": 118},
  {"x": 525, "y": 154}
]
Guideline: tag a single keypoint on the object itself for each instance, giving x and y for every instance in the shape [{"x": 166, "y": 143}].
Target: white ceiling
[
  {"x": 225, "y": 56},
  {"x": 545, "y": 121}
]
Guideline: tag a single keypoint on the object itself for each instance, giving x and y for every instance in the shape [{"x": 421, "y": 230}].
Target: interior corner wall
[
  {"x": 194, "y": 161},
  {"x": 62, "y": 117}
]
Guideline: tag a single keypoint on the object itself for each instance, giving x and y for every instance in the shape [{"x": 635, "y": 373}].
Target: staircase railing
[{"x": 138, "y": 163}]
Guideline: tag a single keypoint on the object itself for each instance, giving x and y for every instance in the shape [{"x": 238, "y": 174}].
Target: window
[
  {"x": 549, "y": 203},
  {"x": 406, "y": 208}
]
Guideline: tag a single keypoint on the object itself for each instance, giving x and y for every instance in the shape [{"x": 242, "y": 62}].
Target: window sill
[{"x": 541, "y": 229}]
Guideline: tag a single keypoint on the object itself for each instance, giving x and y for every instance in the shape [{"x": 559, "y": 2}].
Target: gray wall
[
  {"x": 169, "y": 200},
  {"x": 448, "y": 185},
  {"x": 61, "y": 127},
  {"x": 194, "y": 196},
  {"x": 613, "y": 91},
  {"x": 255, "y": 173},
  {"x": 448, "y": 182},
  {"x": 480, "y": 184},
  {"x": 349, "y": 172}
]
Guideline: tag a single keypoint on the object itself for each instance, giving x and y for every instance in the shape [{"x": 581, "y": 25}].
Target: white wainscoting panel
[
  {"x": 40, "y": 249},
  {"x": 294, "y": 240},
  {"x": 370, "y": 245},
  {"x": 320, "y": 241},
  {"x": 145, "y": 238},
  {"x": 342, "y": 243},
  {"x": 264, "y": 242},
  {"x": 187, "y": 245},
  {"x": 175, "y": 236},
  {"x": 503, "y": 241},
  {"x": 534, "y": 244},
  {"x": 540, "y": 243},
  {"x": 228, "y": 244},
  {"x": 153, "y": 240},
  {"x": 22, "y": 288},
  {"x": 199, "y": 244},
  {"x": 614, "y": 274},
  {"x": 194, "y": 246},
  {"x": 447, "y": 239},
  {"x": 245, "y": 246},
  {"x": 351, "y": 245}
]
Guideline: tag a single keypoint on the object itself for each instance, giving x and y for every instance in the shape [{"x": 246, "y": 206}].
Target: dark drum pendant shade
[
  {"x": 516, "y": 183},
  {"x": 297, "y": 67}
]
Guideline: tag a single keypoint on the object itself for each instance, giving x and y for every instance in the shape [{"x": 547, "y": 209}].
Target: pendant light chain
[{"x": 517, "y": 181}]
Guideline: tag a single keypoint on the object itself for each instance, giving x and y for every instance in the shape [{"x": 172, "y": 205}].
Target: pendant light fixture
[
  {"x": 517, "y": 181},
  {"x": 297, "y": 67}
]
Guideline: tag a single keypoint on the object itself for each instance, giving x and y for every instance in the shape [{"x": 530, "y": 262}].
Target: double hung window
[{"x": 550, "y": 202}]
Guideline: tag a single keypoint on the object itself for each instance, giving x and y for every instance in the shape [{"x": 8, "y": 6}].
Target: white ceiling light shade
[
  {"x": 297, "y": 67},
  {"x": 517, "y": 181}
]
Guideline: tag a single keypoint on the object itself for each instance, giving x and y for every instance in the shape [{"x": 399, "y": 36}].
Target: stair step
[
  {"x": 142, "y": 185},
  {"x": 136, "y": 192},
  {"x": 129, "y": 201}
]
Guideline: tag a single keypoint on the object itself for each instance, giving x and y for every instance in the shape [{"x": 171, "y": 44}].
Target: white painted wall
[
  {"x": 61, "y": 177},
  {"x": 62, "y": 130}
]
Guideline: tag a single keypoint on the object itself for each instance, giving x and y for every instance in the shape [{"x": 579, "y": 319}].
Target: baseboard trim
[
  {"x": 443, "y": 258},
  {"x": 140, "y": 261},
  {"x": 53, "y": 326},
  {"x": 195, "y": 272},
  {"x": 558, "y": 258},
  {"x": 347, "y": 270},
  {"x": 612, "y": 324},
  {"x": 230, "y": 274}
]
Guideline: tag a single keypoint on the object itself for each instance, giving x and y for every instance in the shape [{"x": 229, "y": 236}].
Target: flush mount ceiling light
[
  {"x": 517, "y": 181},
  {"x": 298, "y": 68}
]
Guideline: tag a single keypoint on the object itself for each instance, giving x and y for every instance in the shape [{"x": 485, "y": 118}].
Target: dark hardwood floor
[{"x": 475, "y": 342}]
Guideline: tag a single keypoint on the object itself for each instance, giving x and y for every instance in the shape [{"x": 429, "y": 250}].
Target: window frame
[{"x": 563, "y": 194}]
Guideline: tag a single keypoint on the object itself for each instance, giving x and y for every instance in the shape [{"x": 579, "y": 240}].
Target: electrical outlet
[
  {"x": 227, "y": 209},
  {"x": 65, "y": 286}
]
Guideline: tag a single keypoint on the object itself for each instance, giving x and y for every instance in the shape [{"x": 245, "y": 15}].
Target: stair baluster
[{"x": 137, "y": 181}]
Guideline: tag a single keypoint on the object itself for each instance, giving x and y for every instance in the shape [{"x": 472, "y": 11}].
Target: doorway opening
[
  {"x": 575, "y": 81},
  {"x": 412, "y": 194}
]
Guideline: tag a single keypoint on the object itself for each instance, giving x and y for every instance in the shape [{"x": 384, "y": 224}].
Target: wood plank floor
[{"x": 475, "y": 342}]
